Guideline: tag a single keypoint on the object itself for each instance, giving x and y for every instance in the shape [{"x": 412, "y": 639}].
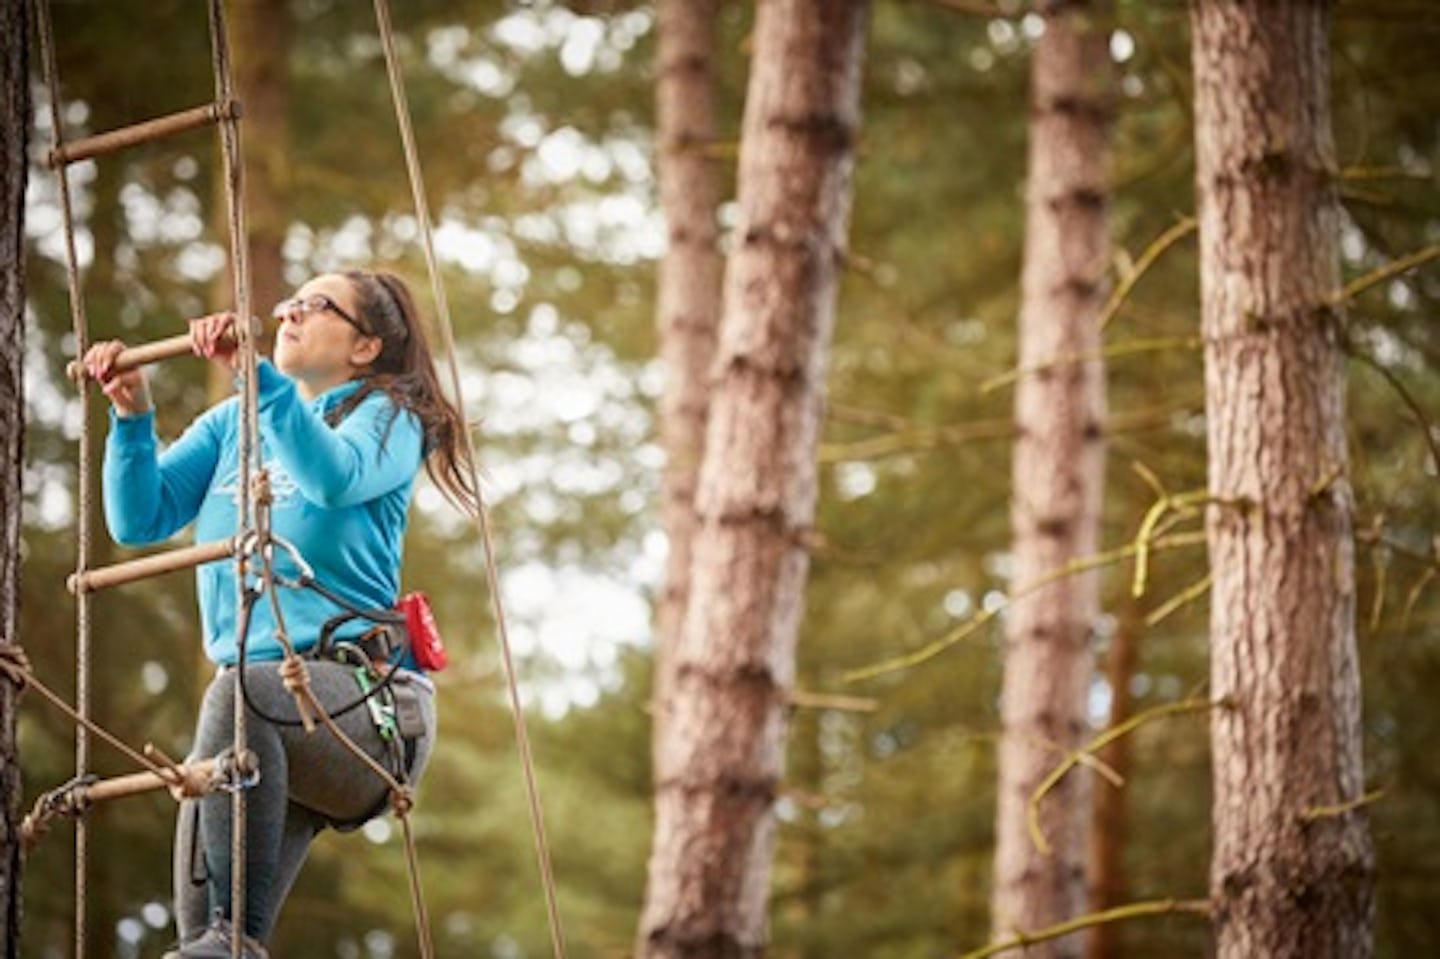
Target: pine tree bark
[
  {"x": 1058, "y": 474},
  {"x": 260, "y": 45},
  {"x": 14, "y": 141},
  {"x": 1287, "y": 878},
  {"x": 688, "y": 312},
  {"x": 720, "y": 757}
]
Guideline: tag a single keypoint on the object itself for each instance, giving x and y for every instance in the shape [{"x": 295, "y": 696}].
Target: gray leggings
[{"x": 307, "y": 781}]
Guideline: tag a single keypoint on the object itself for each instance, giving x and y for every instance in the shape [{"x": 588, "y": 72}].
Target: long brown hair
[{"x": 405, "y": 371}]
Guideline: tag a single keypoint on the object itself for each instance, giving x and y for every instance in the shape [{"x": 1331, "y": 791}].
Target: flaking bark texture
[
  {"x": 260, "y": 45},
  {"x": 14, "y": 140},
  {"x": 1058, "y": 475},
  {"x": 1287, "y": 878},
  {"x": 721, "y": 753},
  {"x": 688, "y": 311}
]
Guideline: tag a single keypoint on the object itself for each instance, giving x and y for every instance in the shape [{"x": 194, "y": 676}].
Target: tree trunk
[
  {"x": 260, "y": 47},
  {"x": 689, "y": 296},
  {"x": 14, "y": 141},
  {"x": 720, "y": 757},
  {"x": 1058, "y": 474},
  {"x": 1293, "y": 866},
  {"x": 1108, "y": 818}
]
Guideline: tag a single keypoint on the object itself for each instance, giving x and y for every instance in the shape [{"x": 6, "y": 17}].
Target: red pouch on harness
[{"x": 425, "y": 640}]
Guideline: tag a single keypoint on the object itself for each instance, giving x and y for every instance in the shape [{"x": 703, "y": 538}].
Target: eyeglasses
[{"x": 315, "y": 303}]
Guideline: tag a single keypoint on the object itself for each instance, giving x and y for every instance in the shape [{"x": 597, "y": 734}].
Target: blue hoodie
[{"x": 340, "y": 494}]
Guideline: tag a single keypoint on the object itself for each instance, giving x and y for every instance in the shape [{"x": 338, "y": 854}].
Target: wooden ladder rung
[
  {"x": 136, "y": 356},
  {"x": 155, "y": 351},
  {"x": 135, "y": 783},
  {"x": 142, "y": 132},
  {"x": 146, "y": 566}
]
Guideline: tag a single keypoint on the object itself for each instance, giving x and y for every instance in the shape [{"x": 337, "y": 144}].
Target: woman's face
[{"x": 322, "y": 341}]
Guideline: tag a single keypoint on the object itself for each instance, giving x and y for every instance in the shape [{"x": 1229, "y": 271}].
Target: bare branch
[
  {"x": 854, "y": 704},
  {"x": 845, "y": 413},
  {"x": 1374, "y": 537},
  {"x": 1406, "y": 263},
  {"x": 1409, "y": 400},
  {"x": 1377, "y": 606},
  {"x": 1339, "y": 809},
  {"x": 1383, "y": 173},
  {"x": 1079, "y": 565},
  {"x": 974, "y": 8},
  {"x": 1186, "y": 596},
  {"x": 909, "y": 438},
  {"x": 920, "y": 438},
  {"x": 1163, "y": 242},
  {"x": 1037, "y": 835},
  {"x": 1149, "y": 477},
  {"x": 1183, "y": 503},
  {"x": 1129, "y": 348},
  {"x": 1135, "y": 910},
  {"x": 1414, "y": 595}
]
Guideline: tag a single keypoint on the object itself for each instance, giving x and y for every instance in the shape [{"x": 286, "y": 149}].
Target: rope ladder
[{"x": 252, "y": 548}]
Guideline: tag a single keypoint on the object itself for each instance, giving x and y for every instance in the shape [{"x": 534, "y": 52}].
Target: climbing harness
[
  {"x": 252, "y": 547},
  {"x": 375, "y": 656}
]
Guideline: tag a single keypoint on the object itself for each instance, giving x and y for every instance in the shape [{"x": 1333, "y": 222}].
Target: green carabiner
[{"x": 381, "y": 714}]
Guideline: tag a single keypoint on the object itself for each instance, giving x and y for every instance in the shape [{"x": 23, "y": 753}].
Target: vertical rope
[
  {"x": 417, "y": 900},
  {"x": 250, "y": 430},
  {"x": 482, "y": 516},
  {"x": 82, "y": 479}
]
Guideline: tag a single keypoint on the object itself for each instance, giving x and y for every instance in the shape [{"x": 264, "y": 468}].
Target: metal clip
[{"x": 231, "y": 775}]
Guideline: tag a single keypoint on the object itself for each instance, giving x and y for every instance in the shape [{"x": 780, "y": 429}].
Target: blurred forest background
[{"x": 535, "y": 125}]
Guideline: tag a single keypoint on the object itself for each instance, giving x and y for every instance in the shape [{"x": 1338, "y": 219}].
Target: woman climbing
[{"x": 348, "y": 411}]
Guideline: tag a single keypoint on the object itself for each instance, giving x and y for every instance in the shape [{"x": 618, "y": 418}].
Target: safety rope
[
  {"x": 253, "y": 522},
  {"x": 234, "y": 195},
  {"x": 295, "y": 676},
  {"x": 15, "y": 666},
  {"x": 81, "y": 332},
  {"x": 482, "y": 517},
  {"x": 249, "y": 443},
  {"x": 71, "y": 799},
  {"x": 234, "y": 169}
]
